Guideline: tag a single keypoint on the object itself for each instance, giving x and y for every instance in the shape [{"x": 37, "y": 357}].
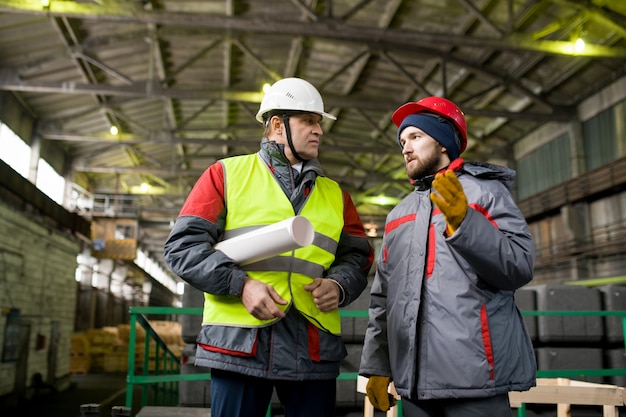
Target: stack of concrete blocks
[
  {"x": 192, "y": 393},
  {"x": 614, "y": 297},
  {"x": 526, "y": 300},
  {"x": 565, "y": 342}
]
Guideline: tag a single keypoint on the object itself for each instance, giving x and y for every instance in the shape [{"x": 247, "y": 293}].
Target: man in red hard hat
[{"x": 443, "y": 324}]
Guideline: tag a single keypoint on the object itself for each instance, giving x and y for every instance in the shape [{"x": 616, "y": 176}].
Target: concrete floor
[{"x": 105, "y": 390}]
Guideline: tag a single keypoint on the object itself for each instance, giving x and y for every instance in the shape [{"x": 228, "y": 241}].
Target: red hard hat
[{"x": 437, "y": 105}]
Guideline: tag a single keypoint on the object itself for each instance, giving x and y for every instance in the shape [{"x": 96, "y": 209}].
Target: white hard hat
[{"x": 292, "y": 94}]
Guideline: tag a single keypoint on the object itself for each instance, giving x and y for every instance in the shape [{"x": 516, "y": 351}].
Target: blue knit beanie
[{"x": 436, "y": 127}]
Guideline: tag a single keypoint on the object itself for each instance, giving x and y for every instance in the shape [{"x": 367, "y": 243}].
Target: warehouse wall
[
  {"x": 571, "y": 186},
  {"x": 581, "y": 241},
  {"x": 37, "y": 269},
  {"x": 51, "y": 287}
]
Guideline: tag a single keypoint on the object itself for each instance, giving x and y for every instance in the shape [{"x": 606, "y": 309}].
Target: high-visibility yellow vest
[{"x": 255, "y": 199}]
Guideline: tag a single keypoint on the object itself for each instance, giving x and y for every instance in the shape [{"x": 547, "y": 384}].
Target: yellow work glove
[
  {"x": 378, "y": 394},
  {"x": 449, "y": 198}
]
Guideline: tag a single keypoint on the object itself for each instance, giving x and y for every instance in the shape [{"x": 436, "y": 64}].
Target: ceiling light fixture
[
  {"x": 380, "y": 200},
  {"x": 578, "y": 40},
  {"x": 579, "y": 45}
]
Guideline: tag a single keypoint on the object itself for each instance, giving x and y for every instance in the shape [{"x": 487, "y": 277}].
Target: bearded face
[{"x": 423, "y": 155}]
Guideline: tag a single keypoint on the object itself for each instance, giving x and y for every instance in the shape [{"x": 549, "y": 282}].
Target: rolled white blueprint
[{"x": 268, "y": 241}]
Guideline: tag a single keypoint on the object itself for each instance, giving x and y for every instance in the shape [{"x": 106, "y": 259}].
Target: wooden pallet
[
  {"x": 80, "y": 365},
  {"x": 566, "y": 392},
  {"x": 562, "y": 392}
]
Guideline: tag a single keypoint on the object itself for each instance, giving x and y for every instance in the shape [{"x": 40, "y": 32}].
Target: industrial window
[
  {"x": 16, "y": 153},
  {"x": 545, "y": 167},
  {"x": 600, "y": 139}
]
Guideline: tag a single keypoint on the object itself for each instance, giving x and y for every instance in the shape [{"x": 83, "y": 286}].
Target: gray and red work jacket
[{"x": 442, "y": 318}]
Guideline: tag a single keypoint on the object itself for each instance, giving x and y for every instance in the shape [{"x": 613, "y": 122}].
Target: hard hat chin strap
[{"x": 289, "y": 141}]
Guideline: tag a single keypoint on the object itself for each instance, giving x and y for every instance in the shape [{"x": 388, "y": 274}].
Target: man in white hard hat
[{"x": 273, "y": 324}]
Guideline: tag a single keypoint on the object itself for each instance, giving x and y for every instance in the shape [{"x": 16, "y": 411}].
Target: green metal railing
[{"x": 160, "y": 376}]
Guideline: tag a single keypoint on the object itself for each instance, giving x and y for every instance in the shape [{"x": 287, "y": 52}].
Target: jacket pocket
[
  {"x": 234, "y": 341},
  {"x": 324, "y": 346}
]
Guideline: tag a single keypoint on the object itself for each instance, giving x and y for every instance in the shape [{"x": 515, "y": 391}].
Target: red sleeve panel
[
  {"x": 206, "y": 199},
  {"x": 352, "y": 222},
  {"x": 353, "y": 225}
]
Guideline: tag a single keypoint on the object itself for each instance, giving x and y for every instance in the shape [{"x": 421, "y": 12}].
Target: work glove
[
  {"x": 378, "y": 394},
  {"x": 450, "y": 199}
]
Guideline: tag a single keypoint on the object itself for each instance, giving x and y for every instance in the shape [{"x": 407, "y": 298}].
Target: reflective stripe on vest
[{"x": 255, "y": 199}]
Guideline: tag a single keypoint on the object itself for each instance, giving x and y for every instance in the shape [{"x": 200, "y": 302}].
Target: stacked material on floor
[
  {"x": 106, "y": 349},
  {"x": 80, "y": 360}
]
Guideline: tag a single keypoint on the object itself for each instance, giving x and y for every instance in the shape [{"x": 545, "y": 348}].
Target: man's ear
[{"x": 276, "y": 121}]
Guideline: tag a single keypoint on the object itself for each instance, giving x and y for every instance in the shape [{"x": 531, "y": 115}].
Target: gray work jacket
[{"x": 442, "y": 318}]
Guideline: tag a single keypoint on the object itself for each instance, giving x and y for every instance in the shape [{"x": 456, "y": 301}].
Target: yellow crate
[
  {"x": 79, "y": 345},
  {"x": 124, "y": 332},
  {"x": 115, "y": 362},
  {"x": 101, "y": 337},
  {"x": 80, "y": 364}
]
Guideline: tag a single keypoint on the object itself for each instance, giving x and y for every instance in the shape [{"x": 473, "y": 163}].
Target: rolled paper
[{"x": 268, "y": 241}]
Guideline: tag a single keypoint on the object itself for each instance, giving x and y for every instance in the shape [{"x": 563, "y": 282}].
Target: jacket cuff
[
  {"x": 343, "y": 292},
  {"x": 236, "y": 282}
]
